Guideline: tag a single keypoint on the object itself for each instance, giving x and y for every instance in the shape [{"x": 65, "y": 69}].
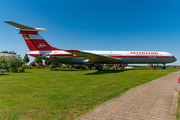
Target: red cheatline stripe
[
  {"x": 141, "y": 56},
  {"x": 56, "y": 55},
  {"x": 75, "y": 56},
  {"x": 36, "y": 54},
  {"x": 60, "y": 55},
  {"x": 138, "y": 56}
]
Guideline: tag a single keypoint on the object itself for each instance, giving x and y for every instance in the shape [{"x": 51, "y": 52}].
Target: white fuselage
[
  {"x": 131, "y": 57},
  {"x": 40, "y": 48}
]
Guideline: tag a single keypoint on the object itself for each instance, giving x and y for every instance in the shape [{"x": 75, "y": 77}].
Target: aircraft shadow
[
  {"x": 105, "y": 72},
  {"x": 4, "y": 74}
]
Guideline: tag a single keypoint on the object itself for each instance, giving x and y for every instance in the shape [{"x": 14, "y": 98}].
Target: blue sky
[{"x": 121, "y": 25}]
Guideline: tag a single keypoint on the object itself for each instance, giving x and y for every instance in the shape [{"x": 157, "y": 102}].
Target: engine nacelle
[{"x": 61, "y": 57}]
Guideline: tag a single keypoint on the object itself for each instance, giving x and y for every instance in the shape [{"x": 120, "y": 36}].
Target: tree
[
  {"x": 2, "y": 61},
  {"x": 38, "y": 60},
  {"x": 13, "y": 62},
  {"x": 11, "y": 52},
  {"x": 26, "y": 59}
]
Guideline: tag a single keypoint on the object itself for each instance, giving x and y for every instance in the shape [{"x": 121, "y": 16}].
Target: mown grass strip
[
  {"x": 65, "y": 94},
  {"x": 178, "y": 109}
]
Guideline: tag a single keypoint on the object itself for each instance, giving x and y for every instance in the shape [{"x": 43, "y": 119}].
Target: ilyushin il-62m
[{"x": 40, "y": 48}]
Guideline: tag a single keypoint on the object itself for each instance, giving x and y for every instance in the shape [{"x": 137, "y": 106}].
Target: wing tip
[{"x": 8, "y": 21}]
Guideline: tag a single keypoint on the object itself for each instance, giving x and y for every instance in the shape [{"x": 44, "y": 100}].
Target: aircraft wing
[
  {"x": 94, "y": 58},
  {"x": 19, "y": 25}
]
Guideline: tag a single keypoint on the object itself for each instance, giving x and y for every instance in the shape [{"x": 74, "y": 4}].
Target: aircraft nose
[{"x": 175, "y": 59}]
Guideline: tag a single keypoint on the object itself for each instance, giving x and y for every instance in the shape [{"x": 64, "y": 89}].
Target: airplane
[{"x": 40, "y": 48}]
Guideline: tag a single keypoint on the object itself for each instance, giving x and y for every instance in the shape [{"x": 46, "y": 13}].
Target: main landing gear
[
  {"x": 164, "y": 66},
  {"x": 94, "y": 67}
]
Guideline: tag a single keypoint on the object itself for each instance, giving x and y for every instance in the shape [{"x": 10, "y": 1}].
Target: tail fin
[{"x": 33, "y": 40}]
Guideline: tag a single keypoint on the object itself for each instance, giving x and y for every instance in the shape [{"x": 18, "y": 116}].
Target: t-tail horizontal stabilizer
[
  {"x": 23, "y": 27},
  {"x": 33, "y": 40}
]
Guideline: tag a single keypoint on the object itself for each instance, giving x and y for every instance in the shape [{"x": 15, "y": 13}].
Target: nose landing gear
[{"x": 164, "y": 66}]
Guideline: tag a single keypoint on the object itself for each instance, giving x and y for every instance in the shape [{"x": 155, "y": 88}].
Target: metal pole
[{"x": 51, "y": 65}]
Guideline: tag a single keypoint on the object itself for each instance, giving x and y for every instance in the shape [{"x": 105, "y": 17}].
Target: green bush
[
  {"x": 23, "y": 66},
  {"x": 38, "y": 66},
  {"x": 50, "y": 66},
  {"x": 13, "y": 69},
  {"x": 21, "y": 69},
  {"x": 69, "y": 67},
  {"x": 63, "y": 67},
  {"x": 30, "y": 67},
  {"x": 83, "y": 67}
]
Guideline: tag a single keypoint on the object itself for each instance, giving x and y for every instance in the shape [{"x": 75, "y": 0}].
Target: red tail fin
[{"x": 35, "y": 42}]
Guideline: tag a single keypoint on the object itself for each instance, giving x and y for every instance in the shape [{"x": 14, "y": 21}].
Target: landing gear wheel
[{"x": 100, "y": 68}]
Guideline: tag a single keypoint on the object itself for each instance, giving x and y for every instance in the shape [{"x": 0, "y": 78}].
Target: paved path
[{"x": 156, "y": 100}]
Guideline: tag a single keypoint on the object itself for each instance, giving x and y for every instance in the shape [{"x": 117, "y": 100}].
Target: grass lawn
[
  {"x": 65, "y": 94},
  {"x": 178, "y": 109}
]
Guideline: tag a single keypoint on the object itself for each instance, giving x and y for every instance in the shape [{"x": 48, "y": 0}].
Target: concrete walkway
[{"x": 156, "y": 100}]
